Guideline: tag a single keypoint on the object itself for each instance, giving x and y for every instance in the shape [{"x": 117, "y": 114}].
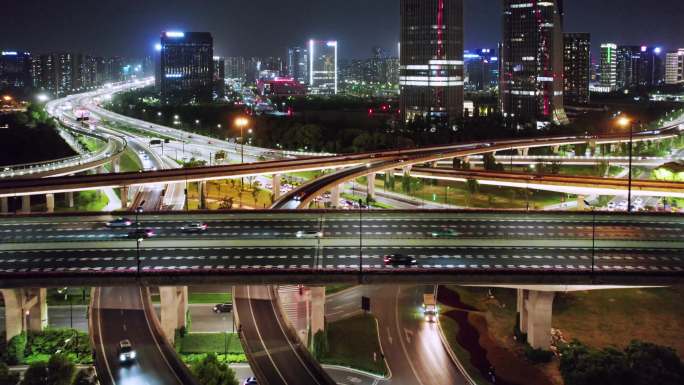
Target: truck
[{"x": 430, "y": 311}]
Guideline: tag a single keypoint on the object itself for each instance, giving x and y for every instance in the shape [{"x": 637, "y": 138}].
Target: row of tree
[{"x": 58, "y": 370}]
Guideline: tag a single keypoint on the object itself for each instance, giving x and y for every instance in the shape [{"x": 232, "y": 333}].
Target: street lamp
[
  {"x": 241, "y": 123},
  {"x": 625, "y": 122}
]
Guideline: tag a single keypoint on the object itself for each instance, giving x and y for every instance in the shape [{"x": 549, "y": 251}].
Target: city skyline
[{"x": 100, "y": 34}]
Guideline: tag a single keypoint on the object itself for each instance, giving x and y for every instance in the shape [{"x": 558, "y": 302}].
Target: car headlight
[
  {"x": 122, "y": 357},
  {"x": 132, "y": 354}
]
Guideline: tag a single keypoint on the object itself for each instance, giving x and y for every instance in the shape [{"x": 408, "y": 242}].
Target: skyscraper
[
  {"x": 609, "y": 66},
  {"x": 576, "y": 67},
  {"x": 431, "y": 60},
  {"x": 236, "y": 68},
  {"x": 627, "y": 61},
  {"x": 187, "y": 66},
  {"x": 323, "y": 71},
  {"x": 219, "y": 76},
  {"x": 481, "y": 69},
  {"x": 674, "y": 67},
  {"x": 532, "y": 61},
  {"x": 298, "y": 64},
  {"x": 15, "y": 71}
]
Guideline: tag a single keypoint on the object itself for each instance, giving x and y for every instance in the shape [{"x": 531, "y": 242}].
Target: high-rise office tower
[
  {"x": 186, "y": 66},
  {"x": 609, "y": 66},
  {"x": 576, "y": 67},
  {"x": 236, "y": 68},
  {"x": 15, "y": 71},
  {"x": 298, "y": 64},
  {"x": 431, "y": 60},
  {"x": 674, "y": 67},
  {"x": 651, "y": 70},
  {"x": 481, "y": 69},
  {"x": 531, "y": 87},
  {"x": 323, "y": 71},
  {"x": 219, "y": 76},
  {"x": 628, "y": 58}
]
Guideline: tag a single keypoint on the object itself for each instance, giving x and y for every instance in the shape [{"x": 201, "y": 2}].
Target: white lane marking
[
  {"x": 403, "y": 346},
  {"x": 261, "y": 339},
  {"x": 99, "y": 333},
  {"x": 288, "y": 340},
  {"x": 154, "y": 338}
]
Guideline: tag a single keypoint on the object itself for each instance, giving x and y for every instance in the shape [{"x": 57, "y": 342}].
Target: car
[
  {"x": 444, "y": 233},
  {"x": 309, "y": 234},
  {"x": 126, "y": 352},
  {"x": 225, "y": 307},
  {"x": 141, "y": 233},
  {"x": 399, "y": 260},
  {"x": 250, "y": 381},
  {"x": 195, "y": 227},
  {"x": 120, "y": 222}
]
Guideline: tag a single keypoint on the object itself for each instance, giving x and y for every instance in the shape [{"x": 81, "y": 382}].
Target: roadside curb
[{"x": 450, "y": 351}]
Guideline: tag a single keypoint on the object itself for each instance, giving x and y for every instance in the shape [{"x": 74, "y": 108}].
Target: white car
[
  {"x": 126, "y": 352},
  {"x": 309, "y": 234}
]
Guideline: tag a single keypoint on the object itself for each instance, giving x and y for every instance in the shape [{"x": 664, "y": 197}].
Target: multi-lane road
[{"x": 257, "y": 246}]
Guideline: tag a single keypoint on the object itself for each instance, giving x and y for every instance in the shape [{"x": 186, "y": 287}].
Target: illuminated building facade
[
  {"x": 608, "y": 66},
  {"x": 186, "y": 66},
  {"x": 674, "y": 67},
  {"x": 298, "y": 64},
  {"x": 531, "y": 85},
  {"x": 15, "y": 71},
  {"x": 576, "y": 67},
  {"x": 431, "y": 60},
  {"x": 323, "y": 71}
]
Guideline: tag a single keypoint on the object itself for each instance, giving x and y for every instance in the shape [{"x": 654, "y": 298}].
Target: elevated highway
[
  {"x": 365, "y": 164},
  {"x": 262, "y": 247}
]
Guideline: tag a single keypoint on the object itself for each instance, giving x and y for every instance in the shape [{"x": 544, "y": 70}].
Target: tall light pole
[
  {"x": 625, "y": 122},
  {"x": 241, "y": 123}
]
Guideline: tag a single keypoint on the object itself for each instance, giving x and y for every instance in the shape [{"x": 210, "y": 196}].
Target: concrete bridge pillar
[
  {"x": 202, "y": 192},
  {"x": 523, "y": 151},
  {"x": 317, "y": 321},
  {"x": 25, "y": 309},
  {"x": 116, "y": 165},
  {"x": 26, "y": 204},
  {"x": 4, "y": 205},
  {"x": 276, "y": 186},
  {"x": 70, "y": 199},
  {"x": 335, "y": 197},
  {"x": 535, "y": 312},
  {"x": 465, "y": 159},
  {"x": 556, "y": 149},
  {"x": 101, "y": 170},
  {"x": 370, "y": 188},
  {"x": 124, "y": 197},
  {"x": 581, "y": 206},
  {"x": 50, "y": 203},
  {"x": 407, "y": 171},
  {"x": 174, "y": 307}
]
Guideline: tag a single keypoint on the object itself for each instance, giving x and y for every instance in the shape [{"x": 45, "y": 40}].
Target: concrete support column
[
  {"x": 4, "y": 205},
  {"x": 335, "y": 197},
  {"x": 407, "y": 171},
  {"x": 370, "y": 189},
  {"x": 202, "y": 192},
  {"x": 523, "y": 151},
  {"x": 535, "y": 317},
  {"x": 124, "y": 197},
  {"x": 50, "y": 203},
  {"x": 26, "y": 204},
  {"x": 174, "y": 307},
  {"x": 317, "y": 320},
  {"x": 556, "y": 149},
  {"x": 581, "y": 206},
  {"x": 25, "y": 309},
  {"x": 522, "y": 312},
  {"x": 70, "y": 199},
  {"x": 276, "y": 186},
  {"x": 465, "y": 159},
  {"x": 116, "y": 165}
]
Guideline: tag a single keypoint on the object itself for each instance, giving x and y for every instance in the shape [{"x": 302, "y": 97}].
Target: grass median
[
  {"x": 353, "y": 342},
  {"x": 194, "y": 346}
]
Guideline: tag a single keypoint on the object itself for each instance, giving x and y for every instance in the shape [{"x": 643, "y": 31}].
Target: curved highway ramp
[
  {"x": 120, "y": 313},
  {"x": 275, "y": 353}
]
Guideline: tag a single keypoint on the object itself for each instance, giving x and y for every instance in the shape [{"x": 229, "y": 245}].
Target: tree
[
  {"x": 209, "y": 371},
  {"x": 654, "y": 364},
  {"x": 320, "y": 344},
  {"x": 6, "y": 377},
  {"x": 61, "y": 370},
  {"x": 489, "y": 162},
  {"x": 85, "y": 377},
  {"x": 36, "y": 374}
]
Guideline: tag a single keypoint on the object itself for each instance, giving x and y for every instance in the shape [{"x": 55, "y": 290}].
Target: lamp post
[
  {"x": 593, "y": 235},
  {"x": 241, "y": 123},
  {"x": 360, "y": 241},
  {"x": 138, "y": 238},
  {"x": 625, "y": 122}
]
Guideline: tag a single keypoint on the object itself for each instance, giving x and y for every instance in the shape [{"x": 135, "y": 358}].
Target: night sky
[{"x": 268, "y": 27}]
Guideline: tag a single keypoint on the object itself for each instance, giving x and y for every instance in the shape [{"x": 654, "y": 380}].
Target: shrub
[
  {"x": 6, "y": 377},
  {"x": 538, "y": 355},
  {"x": 16, "y": 349}
]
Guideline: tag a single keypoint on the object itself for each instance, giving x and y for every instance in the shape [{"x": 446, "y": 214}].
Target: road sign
[{"x": 365, "y": 303}]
